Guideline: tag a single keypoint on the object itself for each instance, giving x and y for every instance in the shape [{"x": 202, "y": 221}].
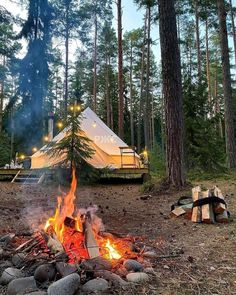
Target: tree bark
[
  {"x": 140, "y": 113},
  {"x": 172, "y": 89},
  {"x": 208, "y": 63},
  {"x": 233, "y": 29},
  {"x": 66, "y": 59},
  {"x": 107, "y": 92},
  {"x": 199, "y": 60},
  {"x": 95, "y": 61},
  {"x": 227, "y": 90},
  {"x": 120, "y": 72},
  {"x": 131, "y": 94},
  {"x": 147, "y": 96},
  {"x": 2, "y": 86}
]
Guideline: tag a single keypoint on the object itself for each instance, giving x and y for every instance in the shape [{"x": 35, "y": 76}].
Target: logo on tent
[{"x": 104, "y": 139}]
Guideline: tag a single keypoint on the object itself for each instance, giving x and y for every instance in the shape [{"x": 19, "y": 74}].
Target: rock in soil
[
  {"x": 132, "y": 265},
  {"x": 22, "y": 286},
  {"x": 45, "y": 273},
  {"x": 5, "y": 264},
  {"x": 97, "y": 263},
  {"x": 65, "y": 269},
  {"x": 9, "y": 274},
  {"x": 18, "y": 259},
  {"x": 95, "y": 285},
  {"x": 37, "y": 293},
  {"x": 65, "y": 286},
  {"x": 115, "y": 279},
  {"x": 137, "y": 277}
]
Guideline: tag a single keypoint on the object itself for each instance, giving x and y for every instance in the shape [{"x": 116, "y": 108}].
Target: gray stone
[
  {"x": 65, "y": 286},
  {"x": 95, "y": 285},
  {"x": 65, "y": 269},
  {"x": 37, "y": 293},
  {"x": 132, "y": 265},
  {"x": 5, "y": 264},
  {"x": 45, "y": 273},
  {"x": 137, "y": 277},
  {"x": 18, "y": 259},
  {"x": 22, "y": 286},
  {"x": 149, "y": 270},
  {"x": 9, "y": 274},
  {"x": 115, "y": 279},
  {"x": 97, "y": 263}
]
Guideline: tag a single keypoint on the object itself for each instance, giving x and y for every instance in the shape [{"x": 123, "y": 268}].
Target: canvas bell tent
[{"x": 109, "y": 150}]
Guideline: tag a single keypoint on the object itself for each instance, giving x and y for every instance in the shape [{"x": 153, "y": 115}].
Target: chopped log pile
[{"x": 206, "y": 206}]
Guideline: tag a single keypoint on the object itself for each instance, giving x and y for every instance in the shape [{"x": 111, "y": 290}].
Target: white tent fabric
[{"x": 104, "y": 142}]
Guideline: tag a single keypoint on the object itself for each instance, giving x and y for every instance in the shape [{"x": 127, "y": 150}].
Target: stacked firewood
[
  {"x": 205, "y": 206},
  {"x": 209, "y": 206}
]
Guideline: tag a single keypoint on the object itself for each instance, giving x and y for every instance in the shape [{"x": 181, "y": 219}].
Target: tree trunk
[
  {"x": 233, "y": 29},
  {"x": 95, "y": 62},
  {"x": 120, "y": 73},
  {"x": 2, "y": 97},
  {"x": 172, "y": 89},
  {"x": 199, "y": 60},
  {"x": 146, "y": 112},
  {"x": 228, "y": 100},
  {"x": 208, "y": 63},
  {"x": 107, "y": 93},
  {"x": 140, "y": 113},
  {"x": 131, "y": 94},
  {"x": 66, "y": 60}
]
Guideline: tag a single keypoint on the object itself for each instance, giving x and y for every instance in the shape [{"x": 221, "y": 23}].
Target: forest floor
[{"x": 207, "y": 253}]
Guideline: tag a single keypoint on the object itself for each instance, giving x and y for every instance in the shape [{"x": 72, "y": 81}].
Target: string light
[
  {"x": 34, "y": 149},
  {"x": 46, "y": 138},
  {"x": 94, "y": 124},
  {"x": 59, "y": 125},
  {"x": 22, "y": 157}
]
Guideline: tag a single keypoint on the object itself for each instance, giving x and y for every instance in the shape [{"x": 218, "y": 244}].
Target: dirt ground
[{"x": 202, "y": 258}]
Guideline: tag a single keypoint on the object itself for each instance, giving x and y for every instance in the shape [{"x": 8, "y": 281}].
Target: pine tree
[
  {"x": 172, "y": 89},
  {"x": 75, "y": 144}
]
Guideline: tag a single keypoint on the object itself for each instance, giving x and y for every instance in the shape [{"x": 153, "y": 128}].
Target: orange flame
[
  {"x": 113, "y": 254},
  {"x": 65, "y": 208}
]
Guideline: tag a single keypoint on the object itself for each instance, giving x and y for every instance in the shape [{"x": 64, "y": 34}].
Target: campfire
[
  {"x": 73, "y": 252},
  {"x": 79, "y": 233}
]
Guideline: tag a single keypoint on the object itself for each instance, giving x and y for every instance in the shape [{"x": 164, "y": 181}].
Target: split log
[
  {"x": 207, "y": 210},
  {"x": 219, "y": 208},
  {"x": 197, "y": 212},
  {"x": 178, "y": 211},
  {"x": 223, "y": 217},
  {"x": 90, "y": 241}
]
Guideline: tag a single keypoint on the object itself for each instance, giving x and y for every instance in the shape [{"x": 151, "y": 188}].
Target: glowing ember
[{"x": 113, "y": 254}]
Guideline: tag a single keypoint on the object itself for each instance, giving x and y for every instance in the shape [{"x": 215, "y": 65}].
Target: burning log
[
  {"x": 90, "y": 241},
  {"x": 55, "y": 245}
]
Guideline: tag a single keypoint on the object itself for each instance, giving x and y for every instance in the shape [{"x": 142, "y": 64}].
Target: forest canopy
[{"x": 117, "y": 74}]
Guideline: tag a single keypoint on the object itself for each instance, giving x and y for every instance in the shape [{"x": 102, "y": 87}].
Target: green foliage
[
  {"x": 75, "y": 144},
  {"x": 204, "y": 148},
  {"x": 4, "y": 149},
  {"x": 157, "y": 161}
]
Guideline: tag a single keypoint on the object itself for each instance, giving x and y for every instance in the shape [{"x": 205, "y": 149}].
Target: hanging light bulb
[{"x": 34, "y": 149}]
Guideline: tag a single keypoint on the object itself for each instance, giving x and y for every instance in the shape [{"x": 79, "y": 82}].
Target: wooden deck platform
[{"x": 31, "y": 175}]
